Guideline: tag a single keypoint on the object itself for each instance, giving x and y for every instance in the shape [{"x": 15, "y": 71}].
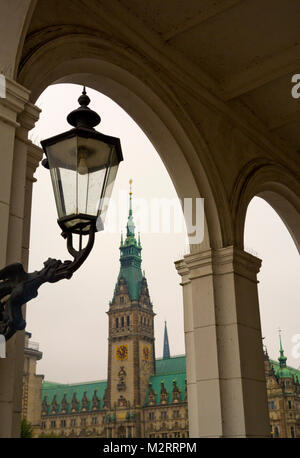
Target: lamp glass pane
[
  {"x": 92, "y": 163},
  {"x": 109, "y": 184},
  {"x": 62, "y": 159}
]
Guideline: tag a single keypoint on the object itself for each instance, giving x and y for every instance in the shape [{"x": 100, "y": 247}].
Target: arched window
[
  {"x": 117, "y": 322},
  {"x": 121, "y": 432},
  {"x": 276, "y": 432}
]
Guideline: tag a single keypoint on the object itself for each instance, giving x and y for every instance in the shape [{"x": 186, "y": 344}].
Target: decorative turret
[{"x": 283, "y": 371}]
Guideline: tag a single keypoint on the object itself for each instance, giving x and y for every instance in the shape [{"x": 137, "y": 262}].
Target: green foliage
[{"x": 26, "y": 429}]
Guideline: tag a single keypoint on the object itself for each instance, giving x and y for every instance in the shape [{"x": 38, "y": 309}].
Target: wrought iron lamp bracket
[{"x": 18, "y": 287}]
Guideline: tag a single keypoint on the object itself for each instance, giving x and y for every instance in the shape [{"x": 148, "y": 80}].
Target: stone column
[
  {"x": 17, "y": 116},
  {"x": 225, "y": 365}
]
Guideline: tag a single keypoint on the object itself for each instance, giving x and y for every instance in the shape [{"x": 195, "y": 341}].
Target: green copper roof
[
  {"x": 174, "y": 365},
  {"x": 50, "y": 389},
  {"x": 168, "y": 370},
  {"x": 156, "y": 380},
  {"x": 287, "y": 371}
]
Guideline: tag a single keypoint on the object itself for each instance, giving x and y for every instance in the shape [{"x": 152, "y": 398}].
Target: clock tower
[{"x": 131, "y": 357}]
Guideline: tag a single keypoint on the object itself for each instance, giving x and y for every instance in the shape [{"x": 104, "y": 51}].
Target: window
[
  {"x": 83, "y": 422},
  {"x": 177, "y": 434},
  {"x": 176, "y": 414},
  {"x": 164, "y": 435},
  {"x": 94, "y": 420},
  {"x": 276, "y": 432},
  {"x": 43, "y": 425},
  {"x": 151, "y": 416},
  {"x": 122, "y": 300},
  {"x": 73, "y": 422},
  {"x": 292, "y": 432},
  {"x": 128, "y": 320},
  {"x": 53, "y": 424},
  {"x": 117, "y": 322},
  {"x": 122, "y": 322},
  {"x": 63, "y": 423},
  {"x": 163, "y": 415},
  {"x": 289, "y": 404}
]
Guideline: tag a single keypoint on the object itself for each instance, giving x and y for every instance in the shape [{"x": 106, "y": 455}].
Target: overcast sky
[{"x": 68, "y": 318}]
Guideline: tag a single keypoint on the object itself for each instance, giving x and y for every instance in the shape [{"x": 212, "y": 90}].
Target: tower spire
[
  {"x": 166, "y": 352},
  {"x": 282, "y": 358},
  {"x": 130, "y": 223}
]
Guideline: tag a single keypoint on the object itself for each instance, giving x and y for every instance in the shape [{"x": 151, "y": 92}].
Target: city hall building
[{"x": 142, "y": 396}]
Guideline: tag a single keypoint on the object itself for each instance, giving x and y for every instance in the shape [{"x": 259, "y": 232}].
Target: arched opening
[
  {"x": 275, "y": 241},
  {"x": 76, "y": 307},
  {"x": 278, "y": 288}
]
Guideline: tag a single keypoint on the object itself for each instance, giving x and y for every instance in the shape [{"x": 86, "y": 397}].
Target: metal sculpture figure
[{"x": 18, "y": 287}]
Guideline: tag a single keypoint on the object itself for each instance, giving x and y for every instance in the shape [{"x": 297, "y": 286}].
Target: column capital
[
  {"x": 219, "y": 261},
  {"x": 13, "y": 103},
  {"x": 28, "y": 116}
]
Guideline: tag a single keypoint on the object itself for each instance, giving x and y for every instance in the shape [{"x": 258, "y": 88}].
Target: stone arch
[
  {"x": 277, "y": 186},
  {"x": 121, "y": 76}
]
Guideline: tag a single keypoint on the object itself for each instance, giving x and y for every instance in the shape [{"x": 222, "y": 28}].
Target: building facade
[
  {"x": 283, "y": 388},
  {"x": 32, "y": 383},
  {"x": 142, "y": 396}
]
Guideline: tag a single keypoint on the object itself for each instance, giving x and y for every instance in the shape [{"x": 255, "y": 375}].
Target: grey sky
[{"x": 68, "y": 319}]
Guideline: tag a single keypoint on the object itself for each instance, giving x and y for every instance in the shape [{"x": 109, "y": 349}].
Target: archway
[
  {"x": 278, "y": 186},
  {"x": 121, "y": 77},
  {"x": 99, "y": 274}
]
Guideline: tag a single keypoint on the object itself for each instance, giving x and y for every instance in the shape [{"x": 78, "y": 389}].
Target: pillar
[
  {"x": 17, "y": 117},
  {"x": 224, "y": 355}
]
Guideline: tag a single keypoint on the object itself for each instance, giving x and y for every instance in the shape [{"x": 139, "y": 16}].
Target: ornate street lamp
[{"x": 83, "y": 164}]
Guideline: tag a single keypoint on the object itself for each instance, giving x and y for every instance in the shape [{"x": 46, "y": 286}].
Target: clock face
[
  {"x": 146, "y": 353},
  {"x": 122, "y": 352}
]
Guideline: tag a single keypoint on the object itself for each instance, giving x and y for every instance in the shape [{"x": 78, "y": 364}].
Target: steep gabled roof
[{"x": 51, "y": 389}]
